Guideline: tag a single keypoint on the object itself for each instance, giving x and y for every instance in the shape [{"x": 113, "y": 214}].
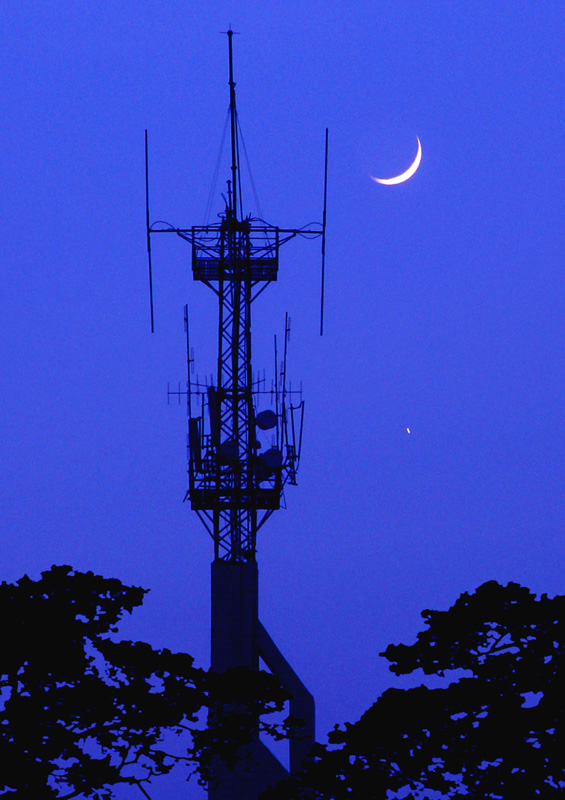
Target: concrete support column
[
  {"x": 235, "y": 592},
  {"x": 238, "y": 639}
]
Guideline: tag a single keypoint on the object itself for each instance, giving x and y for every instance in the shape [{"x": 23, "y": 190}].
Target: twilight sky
[{"x": 444, "y": 308}]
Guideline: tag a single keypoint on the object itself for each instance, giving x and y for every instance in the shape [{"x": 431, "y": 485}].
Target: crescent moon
[{"x": 405, "y": 175}]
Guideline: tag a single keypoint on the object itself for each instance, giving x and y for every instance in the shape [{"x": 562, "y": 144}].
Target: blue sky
[{"x": 444, "y": 306}]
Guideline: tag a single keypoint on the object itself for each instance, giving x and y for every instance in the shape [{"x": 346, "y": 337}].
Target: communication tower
[{"x": 235, "y": 482}]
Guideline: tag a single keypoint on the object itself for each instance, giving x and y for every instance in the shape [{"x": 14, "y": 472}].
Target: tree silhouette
[
  {"x": 495, "y": 730},
  {"x": 81, "y": 712}
]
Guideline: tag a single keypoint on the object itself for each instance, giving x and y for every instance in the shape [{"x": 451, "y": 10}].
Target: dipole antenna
[
  {"x": 324, "y": 237},
  {"x": 148, "y": 228}
]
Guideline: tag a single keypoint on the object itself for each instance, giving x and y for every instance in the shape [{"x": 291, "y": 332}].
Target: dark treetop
[
  {"x": 81, "y": 712},
  {"x": 495, "y": 730}
]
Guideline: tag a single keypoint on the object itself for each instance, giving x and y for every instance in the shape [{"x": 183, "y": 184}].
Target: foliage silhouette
[
  {"x": 496, "y": 730},
  {"x": 81, "y": 712}
]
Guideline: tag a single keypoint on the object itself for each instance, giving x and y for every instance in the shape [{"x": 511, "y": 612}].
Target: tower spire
[{"x": 233, "y": 128}]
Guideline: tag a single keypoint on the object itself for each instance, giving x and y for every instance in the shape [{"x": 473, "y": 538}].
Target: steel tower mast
[{"x": 235, "y": 481}]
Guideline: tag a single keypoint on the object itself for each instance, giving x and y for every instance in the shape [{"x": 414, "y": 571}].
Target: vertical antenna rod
[
  {"x": 324, "y": 238},
  {"x": 233, "y": 123},
  {"x": 148, "y": 233}
]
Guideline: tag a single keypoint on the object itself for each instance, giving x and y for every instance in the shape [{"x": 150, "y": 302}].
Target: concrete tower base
[{"x": 238, "y": 640}]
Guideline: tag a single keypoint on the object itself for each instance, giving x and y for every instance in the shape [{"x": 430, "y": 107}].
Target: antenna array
[{"x": 236, "y": 480}]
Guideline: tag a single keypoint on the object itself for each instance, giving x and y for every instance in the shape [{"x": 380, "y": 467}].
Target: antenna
[
  {"x": 189, "y": 363},
  {"x": 324, "y": 238},
  {"x": 233, "y": 126},
  {"x": 148, "y": 232}
]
